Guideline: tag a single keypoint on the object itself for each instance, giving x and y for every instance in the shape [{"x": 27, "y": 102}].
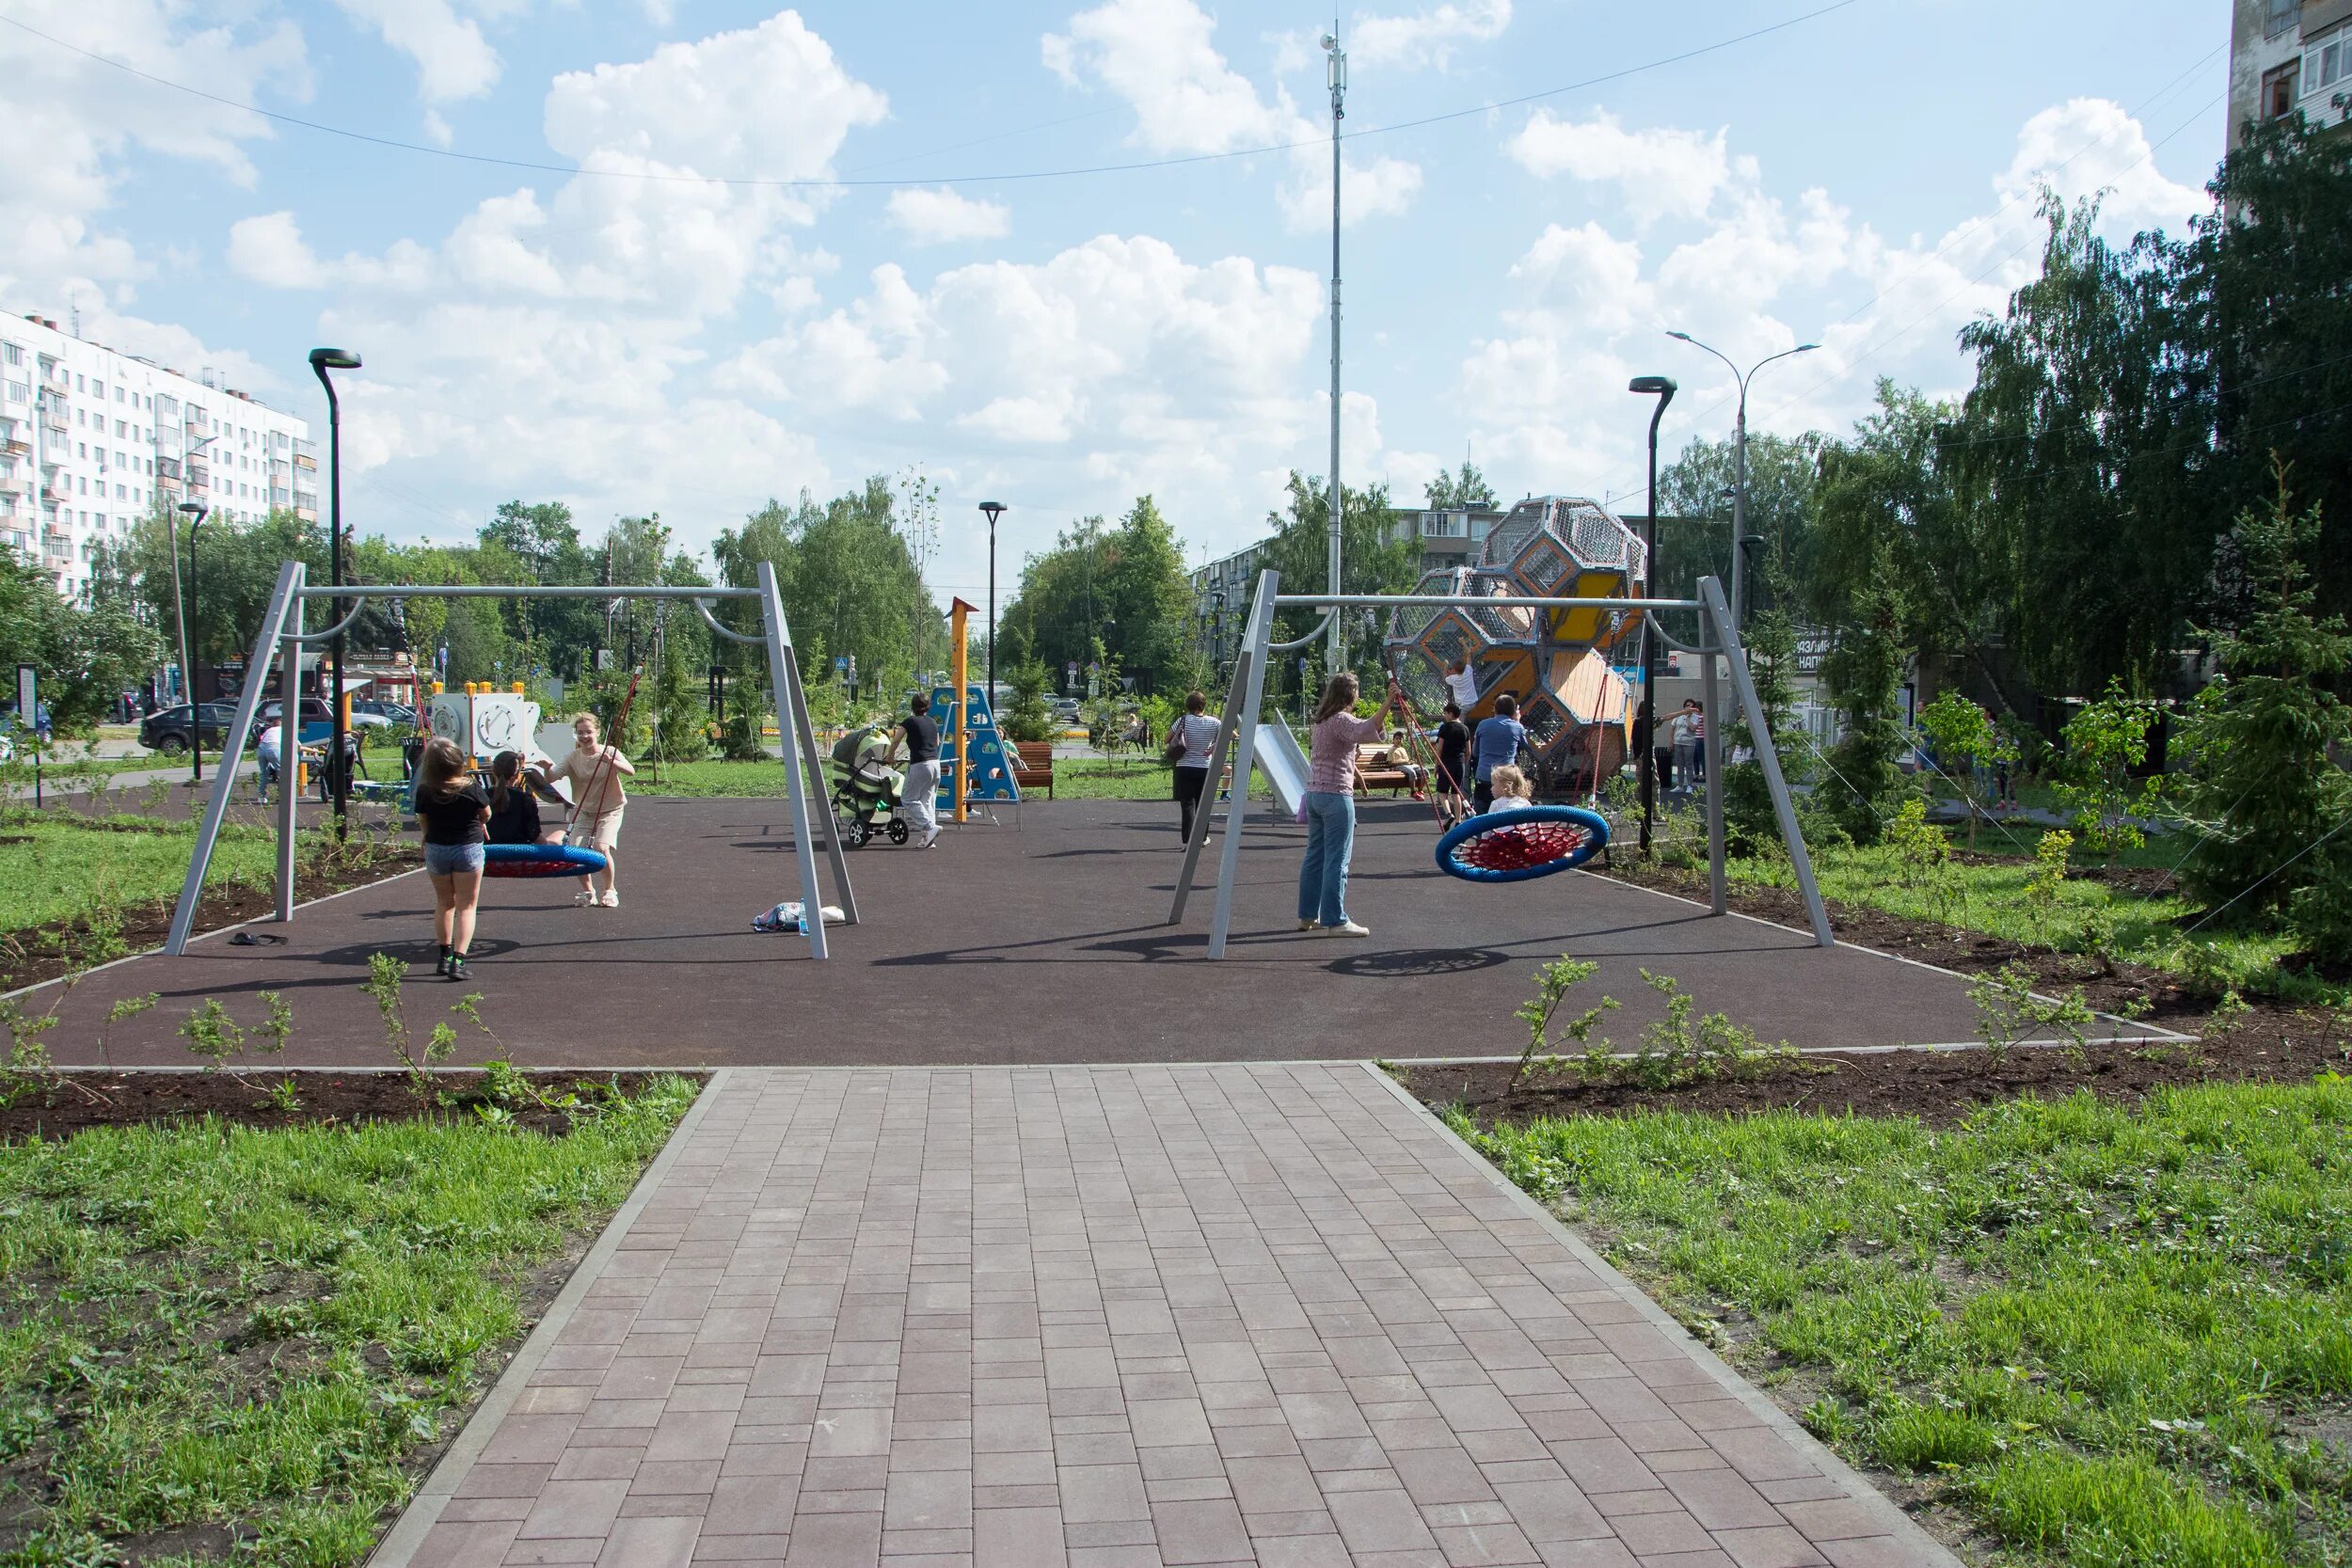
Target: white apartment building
[
  {"x": 91, "y": 439},
  {"x": 2287, "y": 55}
]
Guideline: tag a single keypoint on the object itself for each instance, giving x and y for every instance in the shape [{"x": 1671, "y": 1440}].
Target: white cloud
[
  {"x": 1752, "y": 272},
  {"x": 1161, "y": 57},
  {"x": 1660, "y": 173},
  {"x": 1427, "y": 39},
  {"x": 453, "y": 59},
  {"x": 2089, "y": 144},
  {"x": 77, "y": 121},
  {"x": 270, "y": 250},
  {"x": 943, "y": 217}
]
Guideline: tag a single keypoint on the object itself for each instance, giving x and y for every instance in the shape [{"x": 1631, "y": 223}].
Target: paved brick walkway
[{"x": 1112, "y": 1316}]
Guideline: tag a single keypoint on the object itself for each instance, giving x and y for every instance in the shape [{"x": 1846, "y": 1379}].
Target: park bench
[
  {"x": 1033, "y": 766},
  {"x": 1371, "y": 776}
]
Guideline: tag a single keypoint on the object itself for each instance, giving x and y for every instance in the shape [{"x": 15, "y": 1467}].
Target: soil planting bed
[
  {"x": 2264, "y": 1042},
  {"x": 326, "y": 1098},
  {"x": 33, "y": 955}
]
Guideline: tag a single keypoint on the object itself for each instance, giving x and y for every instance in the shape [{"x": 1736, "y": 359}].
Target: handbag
[{"x": 1178, "y": 744}]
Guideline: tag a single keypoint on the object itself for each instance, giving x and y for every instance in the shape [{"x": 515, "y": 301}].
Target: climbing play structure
[
  {"x": 972, "y": 761},
  {"x": 1555, "y": 662}
]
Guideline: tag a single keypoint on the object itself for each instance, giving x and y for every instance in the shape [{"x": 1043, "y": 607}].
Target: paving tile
[{"x": 1119, "y": 1316}]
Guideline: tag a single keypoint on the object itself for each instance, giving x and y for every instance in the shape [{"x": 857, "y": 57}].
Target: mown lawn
[
  {"x": 2110, "y": 1336},
  {"x": 56, "y": 867},
  {"x": 220, "y": 1344}
]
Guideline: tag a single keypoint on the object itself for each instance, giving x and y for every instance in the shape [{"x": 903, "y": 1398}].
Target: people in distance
[
  {"x": 453, "y": 809},
  {"x": 1191, "y": 742},
  {"x": 1495, "y": 744},
  {"x": 595, "y": 771},
  {"x": 1329, "y": 805}
]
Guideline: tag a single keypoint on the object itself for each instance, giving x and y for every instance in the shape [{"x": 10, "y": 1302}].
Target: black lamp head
[
  {"x": 995, "y": 510},
  {"x": 192, "y": 509},
  {"x": 1653, "y": 386},
  {"x": 333, "y": 360}
]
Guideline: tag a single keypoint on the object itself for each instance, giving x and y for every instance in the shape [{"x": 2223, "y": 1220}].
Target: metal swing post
[
  {"x": 1228, "y": 729},
  {"x": 1257, "y": 637},
  {"x": 288, "y": 755},
  {"x": 281, "y": 601},
  {"x": 1767, "y": 756},
  {"x": 798, "y": 749}
]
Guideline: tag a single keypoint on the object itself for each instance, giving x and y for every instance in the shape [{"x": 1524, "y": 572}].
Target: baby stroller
[{"x": 866, "y": 794}]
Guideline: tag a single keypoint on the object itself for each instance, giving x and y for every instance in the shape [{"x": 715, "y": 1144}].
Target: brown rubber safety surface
[{"x": 1039, "y": 939}]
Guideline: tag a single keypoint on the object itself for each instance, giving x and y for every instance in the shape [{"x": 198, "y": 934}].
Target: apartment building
[
  {"x": 91, "y": 439},
  {"x": 2287, "y": 55}
]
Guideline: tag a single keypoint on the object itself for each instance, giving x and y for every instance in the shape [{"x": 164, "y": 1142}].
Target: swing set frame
[
  {"x": 281, "y": 637},
  {"x": 1237, "y": 731}
]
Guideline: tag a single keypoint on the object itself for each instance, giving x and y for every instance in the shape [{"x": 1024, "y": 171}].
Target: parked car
[
  {"x": 391, "y": 713},
  {"x": 171, "y": 731},
  {"x": 318, "y": 718}
]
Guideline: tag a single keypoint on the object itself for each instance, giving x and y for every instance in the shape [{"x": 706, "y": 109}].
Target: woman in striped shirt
[{"x": 1331, "y": 805}]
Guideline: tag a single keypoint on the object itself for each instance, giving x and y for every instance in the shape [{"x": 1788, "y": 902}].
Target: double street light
[
  {"x": 1663, "y": 388},
  {"x": 338, "y": 771},
  {"x": 1739, "y": 468}
]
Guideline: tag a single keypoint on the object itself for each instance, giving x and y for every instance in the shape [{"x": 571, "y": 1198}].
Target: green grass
[
  {"x": 74, "y": 868},
  {"x": 2105, "y": 1334},
  {"x": 215, "y": 1326},
  {"x": 2081, "y": 915}
]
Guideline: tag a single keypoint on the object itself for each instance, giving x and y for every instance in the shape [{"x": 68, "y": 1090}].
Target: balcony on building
[
  {"x": 167, "y": 467},
  {"x": 199, "y": 477},
  {"x": 304, "y": 499}
]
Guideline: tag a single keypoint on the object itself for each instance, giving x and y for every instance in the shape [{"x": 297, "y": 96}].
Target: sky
[{"x": 681, "y": 256}]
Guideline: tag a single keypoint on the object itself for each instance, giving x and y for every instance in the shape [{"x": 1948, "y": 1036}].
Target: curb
[
  {"x": 397, "y": 1548},
  {"x": 1867, "y": 1497}
]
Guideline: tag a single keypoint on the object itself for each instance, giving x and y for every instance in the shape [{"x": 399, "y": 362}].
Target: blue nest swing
[
  {"x": 539, "y": 859},
  {"x": 1511, "y": 845}
]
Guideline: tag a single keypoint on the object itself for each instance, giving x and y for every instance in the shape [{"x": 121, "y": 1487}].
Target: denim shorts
[{"x": 442, "y": 860}]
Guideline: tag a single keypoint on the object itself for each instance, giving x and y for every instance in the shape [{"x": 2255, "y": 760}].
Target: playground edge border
[
  {"x": 1865, "y": 1495},
  {"x": 399, "y": 1544}
]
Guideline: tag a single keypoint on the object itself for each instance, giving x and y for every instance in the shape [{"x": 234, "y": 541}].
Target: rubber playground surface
[{"x": 1039, "y": 939}]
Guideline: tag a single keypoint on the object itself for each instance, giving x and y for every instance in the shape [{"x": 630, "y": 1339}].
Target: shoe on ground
[
  {"x": 1347, "y": 928},
  {"x": 928, "y": 842},
  {"x": 440, "y": 966},
  {"x": 585, "y": 897},
  {"x": 1308, "y": 925},
  {"x": 611, "y": 899},
  {"x": 1420, "y": 795},
  {"x": 456, "y": 969}
]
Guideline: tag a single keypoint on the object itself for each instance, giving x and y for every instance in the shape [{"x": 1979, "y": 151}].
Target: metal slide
[{"x": 1283, "y": 764}]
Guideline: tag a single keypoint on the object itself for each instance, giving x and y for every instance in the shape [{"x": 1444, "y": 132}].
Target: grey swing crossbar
[{"x": 281, "y": 636}]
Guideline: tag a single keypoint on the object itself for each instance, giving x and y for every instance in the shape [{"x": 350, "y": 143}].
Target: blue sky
[{"x": 621, "y": 333}]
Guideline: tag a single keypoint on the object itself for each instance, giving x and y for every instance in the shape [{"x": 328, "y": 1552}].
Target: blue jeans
[{"x": 1331, "y": 840}]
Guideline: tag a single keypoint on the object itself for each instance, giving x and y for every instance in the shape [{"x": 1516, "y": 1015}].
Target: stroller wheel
[
  {"x": 897, "y": 832},
  {"x": 857, "y": 836}
]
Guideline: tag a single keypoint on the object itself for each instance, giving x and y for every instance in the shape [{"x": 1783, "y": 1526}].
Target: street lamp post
[
  {"x": 196, "y": 512},
  {"x": 1662, "y": 389},
  {"x": 323, "y": 361},
  {"x": 1739, "y": 470},
  {"x": 1336, "y": 74},
  {"x": 995, "y": 510}
]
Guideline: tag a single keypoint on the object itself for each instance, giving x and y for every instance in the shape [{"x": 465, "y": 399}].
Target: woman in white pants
[{"x": 922, "y": 786}]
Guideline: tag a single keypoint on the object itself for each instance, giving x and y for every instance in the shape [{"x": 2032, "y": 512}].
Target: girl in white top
[
  {"x": 595, "y": 772},
  {"x": 1198, "y": 732}
]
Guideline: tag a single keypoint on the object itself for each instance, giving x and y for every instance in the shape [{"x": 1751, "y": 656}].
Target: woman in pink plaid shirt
[{"x": 1330, "y": 806}]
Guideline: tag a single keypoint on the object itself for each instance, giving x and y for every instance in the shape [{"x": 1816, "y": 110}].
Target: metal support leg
[
  {"x": 1768, "y": 756},
  {"x": 1710, "y": 752},
  {"x": 288, "y": 756},
  {"x": 281, "y": 601},
  {"x": 814, "y": 761},
  {"x": 1261, "y": 632},
  {"x": 1219, "y": 755},
  {"x": 780, "y": 676}
]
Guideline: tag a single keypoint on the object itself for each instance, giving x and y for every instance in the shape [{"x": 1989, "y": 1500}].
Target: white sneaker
[
  {"x": 928, "y": 842},
  {"x": 611, "y": 901},
  {"x": 585, "y": 898},
  {"x": 1347, "y": 928}
]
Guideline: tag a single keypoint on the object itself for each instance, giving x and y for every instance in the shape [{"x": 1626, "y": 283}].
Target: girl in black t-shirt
[
  {"x": 453, "y": 809},
  {"x": 514, "y": 815}
]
